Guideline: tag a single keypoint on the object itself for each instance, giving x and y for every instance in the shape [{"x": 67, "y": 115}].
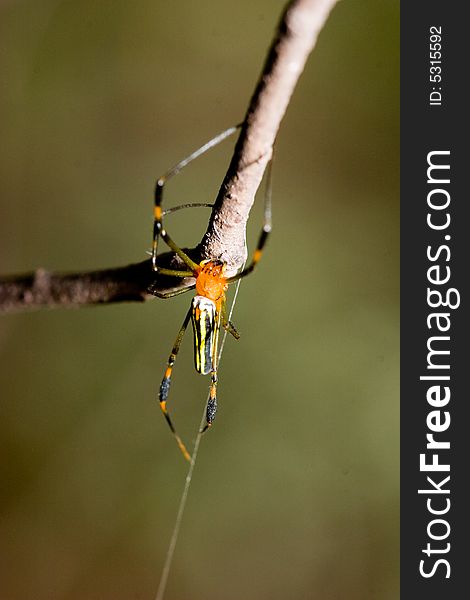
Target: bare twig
[
  {"x": 296, "y": 35},
  {"x": 49, "y": 290},
  {"x": 225, "y": 235}
]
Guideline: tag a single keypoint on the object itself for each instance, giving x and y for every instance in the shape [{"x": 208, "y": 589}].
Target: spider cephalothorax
[{"x": 210, "y": 280}]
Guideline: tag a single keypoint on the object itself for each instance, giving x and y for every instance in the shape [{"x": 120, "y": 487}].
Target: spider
[{"x": 207, "y": 312}]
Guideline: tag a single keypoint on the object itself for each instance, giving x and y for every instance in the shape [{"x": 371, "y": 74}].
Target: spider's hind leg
[
  {"x": 228, "y": 325},
  {"x": 211, "y": 409},
  {"x": 165, "y": 385}
]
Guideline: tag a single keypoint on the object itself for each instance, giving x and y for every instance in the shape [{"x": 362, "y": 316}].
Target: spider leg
[
  {"x": 165, "y": 385},
  {"x": 265, "y": 231},
  {"x": 165, "y": 295},
  {"x": 188, "y": 261},
  {"x": 158, "y": 197},
  {"x": 211, "y": 409},
  {"x": 226, "y": 324}
]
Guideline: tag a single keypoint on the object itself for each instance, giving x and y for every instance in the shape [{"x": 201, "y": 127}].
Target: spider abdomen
[{"x": 205, "y": 320}]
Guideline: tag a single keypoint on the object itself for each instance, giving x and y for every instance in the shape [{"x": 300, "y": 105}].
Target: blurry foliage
[{"x": 296, "y": 489}]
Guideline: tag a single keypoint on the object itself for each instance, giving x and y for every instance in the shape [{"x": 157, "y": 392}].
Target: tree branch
[{"x": 225, "y": 236}]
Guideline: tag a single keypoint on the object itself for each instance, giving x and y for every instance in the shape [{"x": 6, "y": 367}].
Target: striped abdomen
[{"x": 205, "y": 322}]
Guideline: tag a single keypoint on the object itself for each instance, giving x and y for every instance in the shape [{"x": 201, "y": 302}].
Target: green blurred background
[{"x": 295, "y": 494}]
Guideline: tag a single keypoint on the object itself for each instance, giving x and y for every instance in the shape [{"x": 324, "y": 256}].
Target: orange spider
[{"x": 208, "y": 308}]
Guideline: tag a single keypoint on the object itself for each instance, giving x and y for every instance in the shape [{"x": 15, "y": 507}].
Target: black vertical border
[{"x": 425, "y": 128}]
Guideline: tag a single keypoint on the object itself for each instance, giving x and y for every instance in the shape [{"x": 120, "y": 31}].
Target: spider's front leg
[
  {"x": 158, "y": 197},
  {"x": 157, "y": 219}
]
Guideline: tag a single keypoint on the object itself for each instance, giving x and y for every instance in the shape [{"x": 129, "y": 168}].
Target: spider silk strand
[{"x": 189, "y": 475}]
